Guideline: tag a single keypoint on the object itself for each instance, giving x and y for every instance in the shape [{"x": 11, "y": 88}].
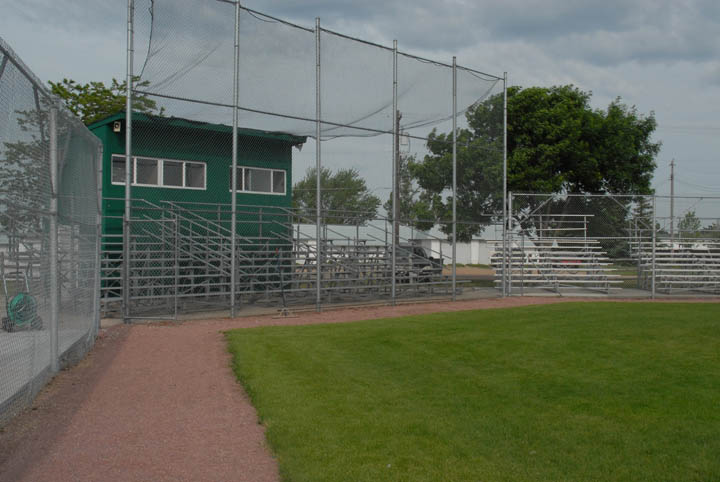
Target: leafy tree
[
  {"x": 25, "y": 183},
  {"x": 556, "y": 143},
  {"x": 641, "y": 223},
  {"x": 689, "y": 225},
  {"x": 642, "y": 215},
  {"x": 95, "y": 101},
  {"x": 345, "y": 197},
  {"x": 413, "y": 208}
]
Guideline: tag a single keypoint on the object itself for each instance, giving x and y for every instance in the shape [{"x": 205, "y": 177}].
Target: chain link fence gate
[
  {"x": 237, "y": 96},
  {"x": 49, "y": 235}
]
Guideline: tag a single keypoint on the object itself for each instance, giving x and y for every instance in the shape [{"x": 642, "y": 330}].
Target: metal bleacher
[
  {"x": 180, "y": 261},
  {"x": 561, "y": 260},
  {"x": 683, "y": 265}
]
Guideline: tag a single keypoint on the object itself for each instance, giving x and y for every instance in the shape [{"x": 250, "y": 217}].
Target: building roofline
[{"x": 192, "y": 124}]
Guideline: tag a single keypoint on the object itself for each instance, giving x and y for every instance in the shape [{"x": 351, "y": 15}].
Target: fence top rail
[
  {"x": 580, "y": 194},
  {"x": 613, "y": 195},
  {"x": 561, "y": 229},
  {"x": 561, "y": 215},
  {"x": 12, "y": 57}
]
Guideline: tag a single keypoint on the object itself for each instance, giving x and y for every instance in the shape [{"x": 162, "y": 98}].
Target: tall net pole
[
  {"x": 505, "y": 196},
  {"x": 318, "y": 167},
  {"x": 128, "y": 163},
  {"x": 233, "y": 175},
  {"x": 395, "y": 233},
  {"x": 454, "y": 178},
  {"x": 54, "y": 294}
]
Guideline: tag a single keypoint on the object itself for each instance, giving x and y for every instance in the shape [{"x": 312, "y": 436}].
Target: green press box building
[{"x": 185, "y": 161}]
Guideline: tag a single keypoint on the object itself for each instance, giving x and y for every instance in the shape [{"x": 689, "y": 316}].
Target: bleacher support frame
[{"x": 180, "y": 261}]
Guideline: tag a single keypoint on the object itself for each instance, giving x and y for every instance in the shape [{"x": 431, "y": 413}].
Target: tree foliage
[
  {"x": 25, "y": 183},
  {"x": 95, "y": 101},
  {"x": 413, "y": 207},
  {"x": 689, "y": 225},
  {"x": 556, "y": 143},
  {"x": 642, "y": 216},
  {"x": 345, "y": 197}
]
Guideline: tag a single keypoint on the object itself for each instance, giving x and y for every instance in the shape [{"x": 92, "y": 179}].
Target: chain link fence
[
  {"x": 49, "y": 243},
  {"x": 626, "y": 245},
  {"x": 253, "y": 105}
]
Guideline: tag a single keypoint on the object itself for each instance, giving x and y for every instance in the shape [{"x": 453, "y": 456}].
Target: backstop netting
[
  {"x": 49, "y": 251},
  {"x": 305, "y": 97}
]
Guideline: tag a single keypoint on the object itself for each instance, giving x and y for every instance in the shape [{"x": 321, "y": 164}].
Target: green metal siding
[{"x": 193, "y": 143}]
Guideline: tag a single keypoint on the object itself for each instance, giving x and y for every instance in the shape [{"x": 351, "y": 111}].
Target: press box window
[
  {"x": 195, "y": 175},
  {"x": 279, "y": 182},
  {"x": 118, "y": 170},
  {"x": 161, "y": 173},
  {"x": 146, "y": 171},
  {"x": 259, "y": 180},
  {"x": 173, "y": 173}
]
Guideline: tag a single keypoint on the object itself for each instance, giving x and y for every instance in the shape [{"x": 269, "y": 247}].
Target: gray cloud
[
  {"x": 77, "y": 16},
  {"x": 660, "y": 55},
  {"x": 598, "y": 32}
]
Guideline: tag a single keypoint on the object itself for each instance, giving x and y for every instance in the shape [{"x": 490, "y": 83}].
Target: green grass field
[{"x": 573, "y": 391}]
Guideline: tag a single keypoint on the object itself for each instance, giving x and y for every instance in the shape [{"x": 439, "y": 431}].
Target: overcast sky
[{"x": 658, "y": 55}]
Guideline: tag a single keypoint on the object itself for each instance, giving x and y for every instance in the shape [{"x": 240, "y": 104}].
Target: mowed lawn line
[{"x": 573, "y": 391}]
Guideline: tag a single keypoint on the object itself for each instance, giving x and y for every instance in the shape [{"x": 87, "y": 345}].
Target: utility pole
[
  {"x": 396, "y": 187},
  {"x": 672, "y": 200}
]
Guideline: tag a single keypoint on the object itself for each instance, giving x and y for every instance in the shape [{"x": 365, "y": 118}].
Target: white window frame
[
  {"x": 160, "y": 166},
  {"x": 241, "y": 177}
]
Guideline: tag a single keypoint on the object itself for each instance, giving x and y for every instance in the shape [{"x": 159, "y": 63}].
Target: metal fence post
[
  {"x": 454, "y": 178},
  {"x": 509, "y": 244},
  {"x": 386, "y": 232},
  {"x": 128, "y": 163},
  {"x": 393, "y": 264},
  {"x": 176, "y": 264},
  {"x": 638, "y": 254},
  {"x": 98, "y": 241},
  {"x": 233, "y": 175},
  {"x": 522, "y": 264},
  {"x": 505, "y": 200},
  {"x": 654, "y": 243},
  {"x": 318, "y": 168},
  {"x": 54, "y": 272}
]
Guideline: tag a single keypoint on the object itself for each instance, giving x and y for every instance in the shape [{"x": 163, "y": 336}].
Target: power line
[
  {"x": 699, "y": 186},
  {"x": 688, "y": 127}
]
